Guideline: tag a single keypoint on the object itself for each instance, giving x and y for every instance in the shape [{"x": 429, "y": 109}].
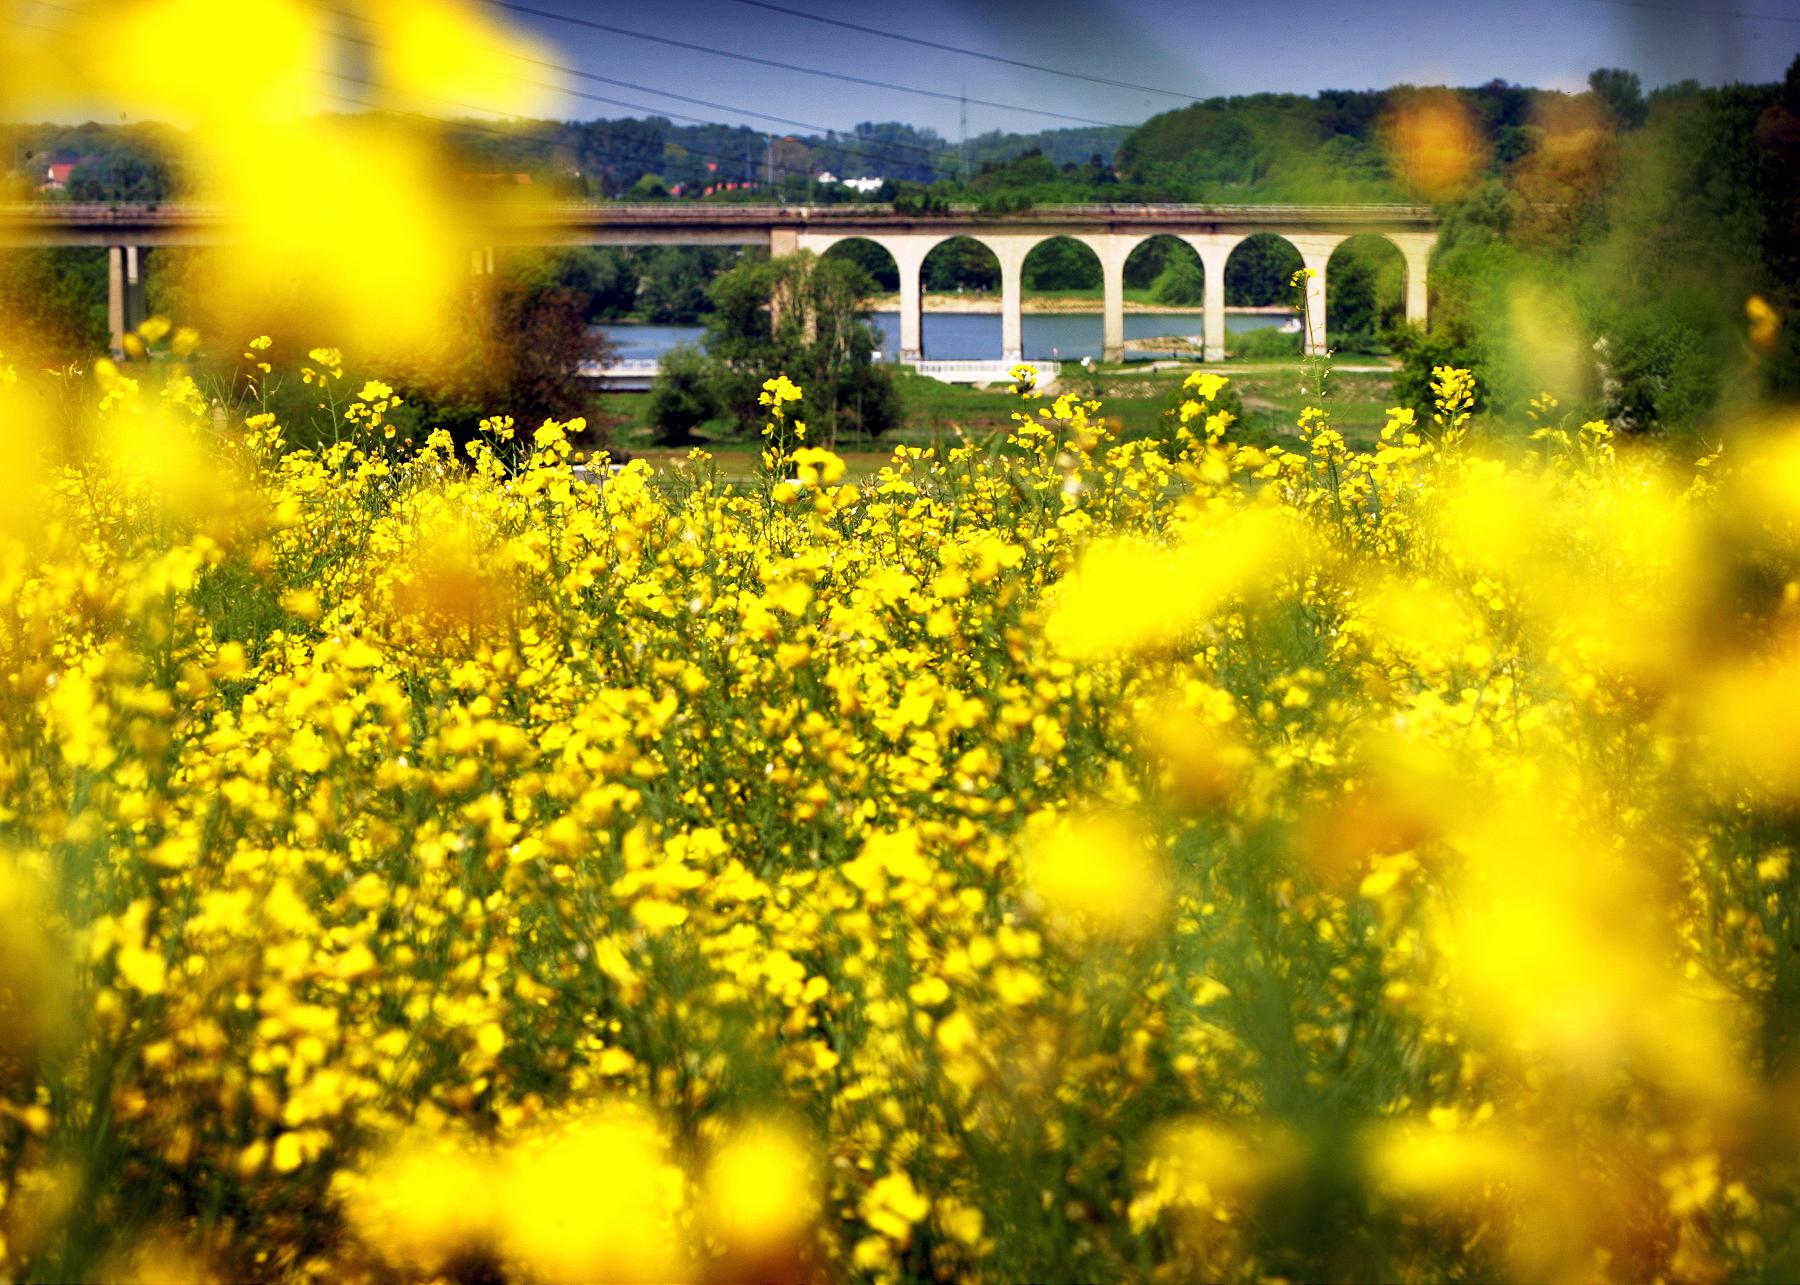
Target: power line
[
  {"x": 591, "y": 24},
  {"x": 688, "y": 98},
  {"x": 697, "y": 120},
  {"x": 1708, "y": 13},
  {"x": 959, "y": 49},
  {"x": 930, "y": 154},
  {"x": 576, "y": 144},
  {"x": 552, "y": 142},
  {"x": 872, "y": 150}
]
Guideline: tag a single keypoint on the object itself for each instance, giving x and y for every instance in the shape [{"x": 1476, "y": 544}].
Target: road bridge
[{"x": 1112, "y": 232}]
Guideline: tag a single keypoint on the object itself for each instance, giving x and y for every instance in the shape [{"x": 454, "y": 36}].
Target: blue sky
[{"x": 1194, "y": 48}]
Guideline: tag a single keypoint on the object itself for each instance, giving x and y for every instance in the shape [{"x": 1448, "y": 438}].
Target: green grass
[{"x": 1133, "y": 397}]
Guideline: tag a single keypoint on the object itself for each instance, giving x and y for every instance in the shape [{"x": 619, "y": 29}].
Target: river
[{"x": 953, "y": 335}]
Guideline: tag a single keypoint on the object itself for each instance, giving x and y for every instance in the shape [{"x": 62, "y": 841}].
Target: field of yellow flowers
[{"x": 1080, "y": 861}]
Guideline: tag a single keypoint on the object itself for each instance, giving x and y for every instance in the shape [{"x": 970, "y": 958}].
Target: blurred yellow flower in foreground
[
  {"x": 1098, "y": 876},
  {"x": 1136, "y": 594},
  {"x": 596, "y": 1199}
]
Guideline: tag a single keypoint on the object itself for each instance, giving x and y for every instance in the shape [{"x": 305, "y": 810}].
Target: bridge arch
[
  {"x": 1167, "y": 270},
  {"x": 1368, "y": 290},
  {"x": 869, "y": 254},
  {"x": 1061, "y": 263},
  {"x": 1258, "y": 271},
  {"x": 967, "y": 263},
  {"x": 1066, "y": 265},
  {"x": 1268, "y": 270},
  {"x": 908, "y": 250}
]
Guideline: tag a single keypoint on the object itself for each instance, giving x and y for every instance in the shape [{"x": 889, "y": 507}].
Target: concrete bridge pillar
[
  {"x": 1112, "y": 250},
  {"x": 1416, "y": 248},
  {"x": 1012, "y": 311},
  {"x": 124, "y": 293},
  {"x": 1315, "y": 252},
  {"x": 1112, "y": 311},
  {"x": 909, "y": 256},
  {"x": 1214, "y": 249},
  {"x": 1011, "y": 251}
]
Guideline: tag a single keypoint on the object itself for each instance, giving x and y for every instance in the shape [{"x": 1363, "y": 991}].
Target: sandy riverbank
[{"x": 991, "y": 303}]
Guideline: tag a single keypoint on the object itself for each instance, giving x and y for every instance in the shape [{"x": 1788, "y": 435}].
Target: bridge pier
[
  {"x": 1012, "y": 311},
  {"x": 1416, "y": 248},
  {"x": 1112, "y": 250},
  {"x": 909, "y": 257},
  {"x": 1010, "y": 249},
  {"x": 1213, "y": 250},
  {"x": 1315, "y": 252},
  {"x": 124, "y": 293}
]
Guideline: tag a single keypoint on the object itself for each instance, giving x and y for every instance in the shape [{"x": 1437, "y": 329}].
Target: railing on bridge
[
  {"x": 1172, "y": 211},
  {"x": 681, "y": 211}
]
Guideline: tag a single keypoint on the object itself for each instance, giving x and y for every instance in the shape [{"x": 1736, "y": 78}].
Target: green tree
[
  {"x": 1260, "y": 270},
  {"x": 683, "y": 396},
  {"x": 1623, "y": 94},
  {"x": 603, "y": 274},
  {"x": 521, "y": 355},
  {"x": 1061, "y": 263},
  {"x": 800, "y": 315},
  {"x": 1181, "y": 283},
  {"x": 672, "y": 290},
  {"x": 871, "y": 258},
  {"x": 1365, "y": 292},
  {"x": 1147, "y": 259},
  {"x": 52, "y": 305},
  {"x": 963, "y": 263}
]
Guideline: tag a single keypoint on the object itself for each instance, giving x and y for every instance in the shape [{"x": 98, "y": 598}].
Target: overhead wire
[
  {"x": 777, "y": 63},
  {"x": 557, "y": 141},
  {"x": 1707, "y": 13},
  {"x": 867, "y": 149},
  {"x": 964, "y": 50}
]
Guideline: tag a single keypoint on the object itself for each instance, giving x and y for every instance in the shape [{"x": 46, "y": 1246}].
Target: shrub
[
  {"x": 682, "y": 397},
  {"x": 1262, "y": 342}
]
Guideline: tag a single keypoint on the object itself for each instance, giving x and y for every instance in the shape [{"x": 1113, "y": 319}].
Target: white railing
[
  {"x": 985, "y": 372},
  {"x": 623, "y": 369}
]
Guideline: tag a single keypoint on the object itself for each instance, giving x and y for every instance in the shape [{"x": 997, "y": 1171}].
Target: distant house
[
  {"x": 56, "y": 176},
  {"x": 864, "y": 185},
  {"x": 826, "y": 176}
]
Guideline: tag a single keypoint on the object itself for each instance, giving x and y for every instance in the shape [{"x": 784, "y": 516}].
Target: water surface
[{"x": 1068, "y": 336}]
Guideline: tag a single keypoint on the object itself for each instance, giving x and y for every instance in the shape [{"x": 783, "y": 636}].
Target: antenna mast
[{"x": 965, "y": 131}]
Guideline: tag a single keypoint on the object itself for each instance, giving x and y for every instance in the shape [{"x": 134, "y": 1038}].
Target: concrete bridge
[{"x": 1110, "y": 231}]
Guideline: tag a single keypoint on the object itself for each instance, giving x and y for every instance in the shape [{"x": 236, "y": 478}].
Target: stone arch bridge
[{"x": 1112, "y": 232}]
